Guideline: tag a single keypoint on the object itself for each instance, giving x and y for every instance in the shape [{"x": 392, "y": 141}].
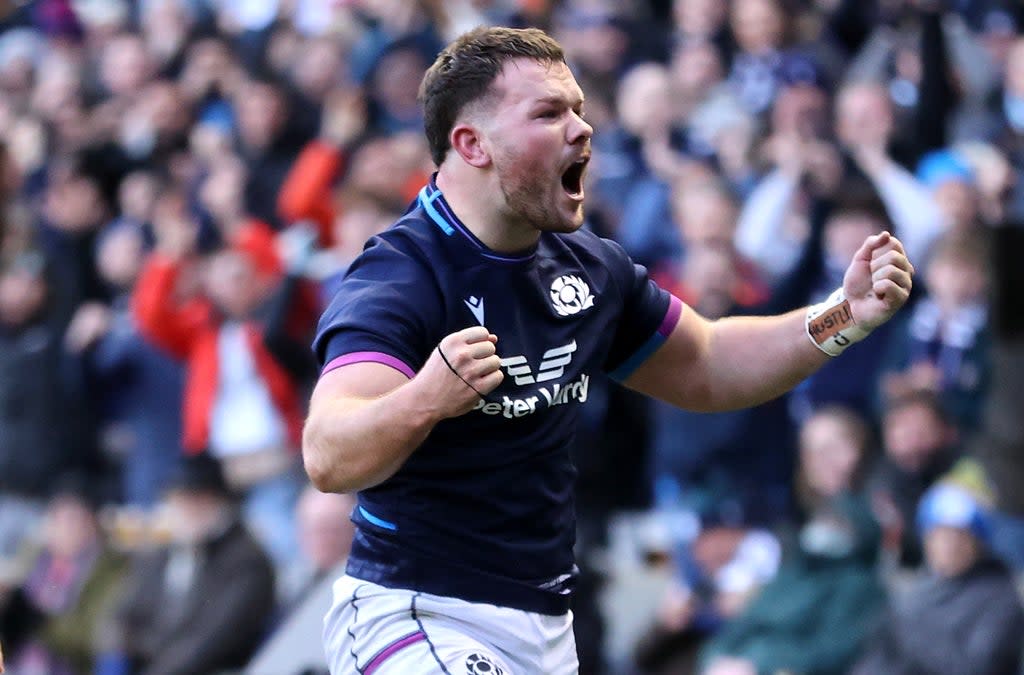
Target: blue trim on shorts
[
  {"x": 379, "y": 522},
  {"x": 426, "y": 635}
]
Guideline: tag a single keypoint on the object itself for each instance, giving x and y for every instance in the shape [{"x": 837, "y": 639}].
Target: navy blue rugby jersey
[{"x": 483, "y": 509}]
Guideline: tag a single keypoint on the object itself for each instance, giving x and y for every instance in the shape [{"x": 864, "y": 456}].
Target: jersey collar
[{"x": 437, "y": 209}]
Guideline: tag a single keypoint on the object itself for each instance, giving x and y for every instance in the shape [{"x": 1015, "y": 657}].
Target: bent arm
[
  {"x": 306, "y": 191},
  {"x": 713, "y": 366},
  {"x": 171, "y": 327},
  {"x": 759, "y": 234},
  {"x": 743, "y": 361},
  {"x": 365, "y": 419},
  {"x": 910, "y": 205}
]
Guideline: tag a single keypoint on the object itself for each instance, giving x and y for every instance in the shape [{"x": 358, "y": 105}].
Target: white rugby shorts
[{"x": 373, "y": 630}]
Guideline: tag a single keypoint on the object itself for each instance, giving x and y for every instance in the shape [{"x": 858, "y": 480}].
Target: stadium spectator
[
  {"x": 336, "y": 165},
  {"x": 942, "y": 346},
  {"x": 814, "y": 615},
  {"x": 53, "y": 621},
  {"x": 141, "y": 407},
  {"x": 732, "y": 467},
  {"x": 865, "y": 124},
  {"x": 623, "y": 180},
  {"x": 266, "y": 141},
  {"x": 965, "y": 617},
  {"x": 325, "y": 536},
  {"x": 725, "y": 568},
  {"x": 201, "y": 604},
  {"x": 764, "y": 58},
  {"x": 835, "y": 446},
  {"x": 700, "y": 21},
  {"x": 241, "y": 404},
  {"x": 802, "y": 174},
  {"x": 999, "y": 118},
  {"x": 920, "y": 444},
  {"x": 37, "y": 389}
]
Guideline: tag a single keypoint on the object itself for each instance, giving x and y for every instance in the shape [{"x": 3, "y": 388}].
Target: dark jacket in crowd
[
  {"x": 143, "y": 388},
  {"x": 215, "y": 623},
  {"x": 967, "y": 625},
  {"x": 39, "y": 385}
]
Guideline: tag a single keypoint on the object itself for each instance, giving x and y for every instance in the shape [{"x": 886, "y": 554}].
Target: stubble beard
[{"x": 528, "y": 197}]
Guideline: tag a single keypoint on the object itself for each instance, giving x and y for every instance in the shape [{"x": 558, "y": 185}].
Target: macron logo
[
  {"x": 476, "y": 305},
  {"x": 552, "y": 365}
]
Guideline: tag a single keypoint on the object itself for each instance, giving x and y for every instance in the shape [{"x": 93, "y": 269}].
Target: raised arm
[
  {"x": 742, "y": 361},
  {"x": 366, "y": 418}
]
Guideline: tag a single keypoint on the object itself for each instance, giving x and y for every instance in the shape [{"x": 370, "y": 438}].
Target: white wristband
[{"x": 830, "y": 324}]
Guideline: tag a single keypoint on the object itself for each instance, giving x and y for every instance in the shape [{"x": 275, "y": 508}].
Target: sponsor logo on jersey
[
  {"x": 552, "y": 365},
  {"x": 570, "y": 295},
  {"x": 476, "y": 306},
  {"x": 546, "y": 397}
]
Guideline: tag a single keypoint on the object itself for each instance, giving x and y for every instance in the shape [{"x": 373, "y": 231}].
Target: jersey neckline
[{"x": 433, "y": 203}]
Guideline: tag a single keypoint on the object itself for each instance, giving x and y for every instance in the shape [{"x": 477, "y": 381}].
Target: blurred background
[{"x": 183, "y": 183}]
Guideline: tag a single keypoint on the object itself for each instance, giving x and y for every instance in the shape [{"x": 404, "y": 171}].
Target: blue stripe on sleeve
[
  {"x": 668, "y": 323},
  {"x": 639, "y": 356},
  {"x": 379, "y": 522}
]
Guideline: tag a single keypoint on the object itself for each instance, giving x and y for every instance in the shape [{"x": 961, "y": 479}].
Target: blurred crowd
[{"x": 183, "y": 183}]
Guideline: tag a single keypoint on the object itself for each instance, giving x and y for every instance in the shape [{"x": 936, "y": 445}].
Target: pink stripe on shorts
[{"x": 392, "y": 649}]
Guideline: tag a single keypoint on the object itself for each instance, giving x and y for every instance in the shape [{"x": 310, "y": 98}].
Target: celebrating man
[{"x": 460, "y": 346}]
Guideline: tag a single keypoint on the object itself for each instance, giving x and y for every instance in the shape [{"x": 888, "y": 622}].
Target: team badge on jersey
[
  {"x": 478, "y": 664},
  {"x": 570, "y": 295}
]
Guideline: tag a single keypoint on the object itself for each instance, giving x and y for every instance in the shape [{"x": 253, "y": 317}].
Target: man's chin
[
  {"x": 571, "y": 221},
  {"x": 560, "y": 220}
]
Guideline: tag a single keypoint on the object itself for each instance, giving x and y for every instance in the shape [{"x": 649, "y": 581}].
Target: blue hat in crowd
[
  {"x": 218, "y": 114},
  {"x": 953, "y": 506},
  {"x": 940, "y": 166}
]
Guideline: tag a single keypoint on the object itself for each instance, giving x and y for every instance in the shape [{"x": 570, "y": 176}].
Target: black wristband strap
[{"x": 452, "y": 368}]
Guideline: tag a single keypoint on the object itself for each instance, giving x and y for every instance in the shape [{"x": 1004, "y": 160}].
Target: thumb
[{"x": 870, "y": 244}]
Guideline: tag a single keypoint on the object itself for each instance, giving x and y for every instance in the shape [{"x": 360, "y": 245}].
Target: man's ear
[{"x": 467, "y": 140}]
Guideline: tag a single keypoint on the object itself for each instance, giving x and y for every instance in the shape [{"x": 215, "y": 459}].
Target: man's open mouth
[{"x": 572, "y": 178}]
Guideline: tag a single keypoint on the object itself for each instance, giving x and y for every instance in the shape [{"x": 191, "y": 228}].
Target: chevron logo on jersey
[{"x": 552, "y": 365}]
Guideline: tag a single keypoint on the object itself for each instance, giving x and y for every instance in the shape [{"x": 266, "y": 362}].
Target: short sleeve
[
  {"x": 649, "y": 313},
  {"x": 384, "y": 310}
]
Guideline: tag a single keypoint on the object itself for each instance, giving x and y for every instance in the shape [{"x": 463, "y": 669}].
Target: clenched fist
[
  {"x": 464, "y": 367},
  {"x": 878, "y": 280}
]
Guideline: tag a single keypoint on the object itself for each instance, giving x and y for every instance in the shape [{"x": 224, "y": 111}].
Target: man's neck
[{"x": 473, "y": 198}]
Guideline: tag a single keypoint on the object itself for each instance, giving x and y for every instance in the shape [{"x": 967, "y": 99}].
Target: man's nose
[{"x": 579, "y": 130}]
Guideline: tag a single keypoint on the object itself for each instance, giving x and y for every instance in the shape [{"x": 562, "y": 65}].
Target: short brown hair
[{"x": 464, "y": 70}]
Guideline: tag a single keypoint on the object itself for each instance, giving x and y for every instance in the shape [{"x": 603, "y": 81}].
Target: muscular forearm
[
  {"x": 366, "y": 418},
  {"x": 737, "y": 362},
  {"x": 350, "y": 444},
  {"x": 713, "y": 366},
  {"x": 751, "y": 360}
]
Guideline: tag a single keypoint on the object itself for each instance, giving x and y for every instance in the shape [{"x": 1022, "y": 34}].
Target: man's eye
[{"x": 548, "y": 114}]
